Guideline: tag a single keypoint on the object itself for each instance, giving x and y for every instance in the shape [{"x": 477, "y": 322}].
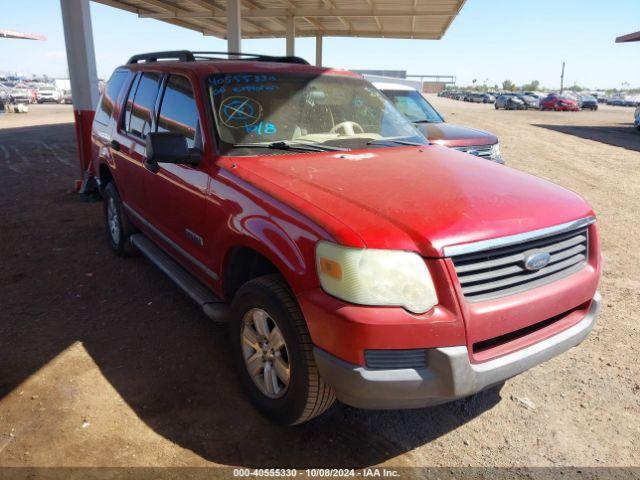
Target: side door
[
  {"x": 176, "y": 194},
  {"x": 128, "y": 142}
]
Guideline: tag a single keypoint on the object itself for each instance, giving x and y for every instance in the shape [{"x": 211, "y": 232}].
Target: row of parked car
[
  {"x": 527, "y": 100},
  {"x": 534, "y": 99},
  {"x": 622, "y": 101},
  {"x": 23, "y": 92},
  {"x": 473, "y": 97},
  {"x": 553, "y": 101}
]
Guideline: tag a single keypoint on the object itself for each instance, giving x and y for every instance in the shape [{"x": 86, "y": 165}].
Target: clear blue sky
[{"x": 490, "y": 39}]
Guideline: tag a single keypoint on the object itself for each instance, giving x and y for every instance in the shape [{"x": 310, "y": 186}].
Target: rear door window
[
  {"x": 179, "y": 113},
  {"x": 139, "y": 113},
  {"x": 110, "y": 96}
]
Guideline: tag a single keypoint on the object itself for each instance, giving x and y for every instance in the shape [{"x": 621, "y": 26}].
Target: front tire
[
  {"x": 273, "y": 353},
  {"x": 119, "y": 229}
]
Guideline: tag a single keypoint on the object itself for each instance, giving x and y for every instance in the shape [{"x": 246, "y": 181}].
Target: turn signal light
[{"x": 331, "y": 268}]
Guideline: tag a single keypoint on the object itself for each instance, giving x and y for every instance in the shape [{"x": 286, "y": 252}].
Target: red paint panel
[
  {"x": 83, "y": 123},
  {"x": 411, "y": 198}
]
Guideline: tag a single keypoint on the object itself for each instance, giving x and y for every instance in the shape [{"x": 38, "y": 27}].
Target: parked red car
[
  {"x": 431, "y": 124},
  {"x": 558, "y": 103},
  {"x": 351, "y": 258}
]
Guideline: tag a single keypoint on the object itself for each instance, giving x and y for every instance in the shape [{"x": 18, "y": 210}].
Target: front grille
[
  {"x": 483, "y": 151},
  {"x": 391, "y": 359},
  {"x": 498, "y": 272}
]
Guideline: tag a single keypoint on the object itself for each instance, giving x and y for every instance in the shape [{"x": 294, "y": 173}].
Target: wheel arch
[
  {"x": 105, "y": 176},
  {"x": 247, "y": 260}
]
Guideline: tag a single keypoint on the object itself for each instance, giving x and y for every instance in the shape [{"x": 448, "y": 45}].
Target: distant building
[{"x": 383, "y": 73}]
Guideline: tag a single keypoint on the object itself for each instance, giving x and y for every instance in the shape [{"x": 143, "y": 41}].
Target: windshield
[
  {"x": 413, "y": 106},
  {"x": 336, "y": 112}
]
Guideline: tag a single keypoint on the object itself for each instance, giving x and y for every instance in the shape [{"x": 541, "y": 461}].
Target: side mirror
[{"x": 169, "y": 147}]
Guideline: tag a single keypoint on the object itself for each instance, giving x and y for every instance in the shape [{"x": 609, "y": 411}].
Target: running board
[{"x": 214, "y": 308}]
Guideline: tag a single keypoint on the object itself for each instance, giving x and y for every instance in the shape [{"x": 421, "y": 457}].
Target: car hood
[
  {"x": 455, "y": 135},
  {"x": 409, "y": 198}
]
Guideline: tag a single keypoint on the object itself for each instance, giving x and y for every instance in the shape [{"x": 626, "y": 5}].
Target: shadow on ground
[
  {"x": 624, "y": 136},
  {"x": 59, "y": 284}
]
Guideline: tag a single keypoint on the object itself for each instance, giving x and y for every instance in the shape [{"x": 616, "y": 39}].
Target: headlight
[
  {"x": 495, "y": 151},
  {"x": 375, "y": 277}
]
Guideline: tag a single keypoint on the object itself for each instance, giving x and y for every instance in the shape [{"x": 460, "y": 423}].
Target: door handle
[{"x": 115, "y": 145}]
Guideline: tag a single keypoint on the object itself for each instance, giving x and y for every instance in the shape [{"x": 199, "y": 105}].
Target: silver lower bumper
[{"x": 448, "y": 374}]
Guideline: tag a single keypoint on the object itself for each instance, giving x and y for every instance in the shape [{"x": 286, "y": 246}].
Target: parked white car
[
  {"x": 20, "y": 94},
  {"x": 48, "y": 93}
]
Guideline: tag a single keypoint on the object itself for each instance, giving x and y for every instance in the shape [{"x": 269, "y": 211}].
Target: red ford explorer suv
[{"x": 351, "y": 259}]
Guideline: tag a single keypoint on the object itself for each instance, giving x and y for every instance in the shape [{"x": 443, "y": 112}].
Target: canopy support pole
[
  {"x": 81, "y": 60},
  {"x": 291, "y": 36},
  {"x": 234, "y": 26},
  {"x": 319, "y": 40}
]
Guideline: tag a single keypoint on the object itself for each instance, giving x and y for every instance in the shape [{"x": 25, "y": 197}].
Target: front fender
[{"x": 275, "y": 243}]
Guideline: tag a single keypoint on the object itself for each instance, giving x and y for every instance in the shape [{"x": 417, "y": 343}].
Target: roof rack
[{"x": 188, "y": 56}]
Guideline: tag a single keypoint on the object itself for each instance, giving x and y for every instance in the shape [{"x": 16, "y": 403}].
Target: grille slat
[
  {"x": 483, "y": 151},
  {"x": 465, "y": 266},
  {"x": 478, "y": 287},
  {"x": 515, "y": 269},
  {"x": 501, "y": 271}
]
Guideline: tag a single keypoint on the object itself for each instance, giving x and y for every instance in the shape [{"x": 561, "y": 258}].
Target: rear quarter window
[{"x": 110, "y": 96}]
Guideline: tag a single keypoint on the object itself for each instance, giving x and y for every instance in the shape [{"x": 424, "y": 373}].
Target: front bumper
[{"x": 447, "y": 375}]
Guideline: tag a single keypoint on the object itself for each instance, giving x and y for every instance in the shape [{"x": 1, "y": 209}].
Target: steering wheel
[{"x": 347, "y": 127}]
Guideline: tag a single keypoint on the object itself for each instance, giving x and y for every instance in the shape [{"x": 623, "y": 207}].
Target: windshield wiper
[
  {"x": 426, "y": 121},
  {"x": 283, "y": 145},
  {"x": 384, "y": 141}
]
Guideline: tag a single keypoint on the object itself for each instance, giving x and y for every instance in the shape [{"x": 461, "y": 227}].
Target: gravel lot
[{"x": 103, "y": 362}]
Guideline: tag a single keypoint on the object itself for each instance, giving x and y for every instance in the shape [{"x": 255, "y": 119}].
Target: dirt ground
[{"x": 103, "y": 362}]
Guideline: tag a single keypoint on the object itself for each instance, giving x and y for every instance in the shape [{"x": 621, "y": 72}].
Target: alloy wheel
[
  {"x": 113, "y": 220},
  {"x": 265, "y": 353}
]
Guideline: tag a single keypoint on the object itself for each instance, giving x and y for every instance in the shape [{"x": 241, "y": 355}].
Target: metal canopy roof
[
  {"x": 425, "y": 19},
  {"x": 20, "y": 35},
  {"x": 631, "y": 37}
]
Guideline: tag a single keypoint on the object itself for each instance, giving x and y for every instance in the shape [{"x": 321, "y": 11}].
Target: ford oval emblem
[
  {"x": 536, "y": 261},
  {"x": 473, "y": 152}
]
